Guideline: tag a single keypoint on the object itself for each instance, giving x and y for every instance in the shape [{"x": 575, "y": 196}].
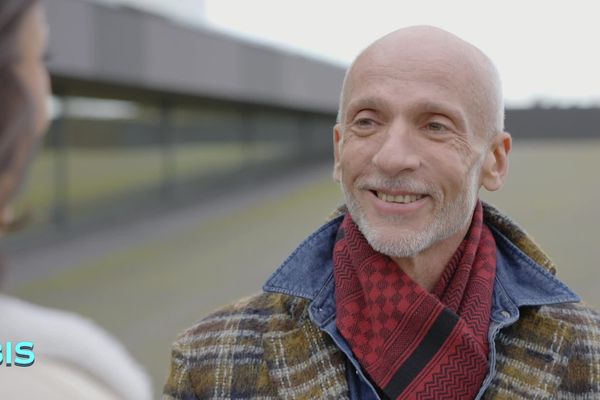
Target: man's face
[{"x": 409, "y": 152}]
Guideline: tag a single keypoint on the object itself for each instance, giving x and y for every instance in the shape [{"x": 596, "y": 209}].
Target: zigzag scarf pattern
[{"x": 414, "y": 344}]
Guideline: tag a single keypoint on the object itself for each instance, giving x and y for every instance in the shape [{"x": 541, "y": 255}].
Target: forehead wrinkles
[
  {"x": 445, "y": 79},
  {"x": 461, "y": 70}
]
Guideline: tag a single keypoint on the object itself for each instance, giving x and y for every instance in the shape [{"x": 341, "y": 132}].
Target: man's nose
[{"x": 397, "y": 151}]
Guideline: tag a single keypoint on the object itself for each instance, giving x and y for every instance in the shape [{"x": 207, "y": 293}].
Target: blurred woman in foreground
[{"x": 74, "y": 358}]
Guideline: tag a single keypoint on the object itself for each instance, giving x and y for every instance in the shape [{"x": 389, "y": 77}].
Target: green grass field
[{"x": 149, "y": 292}]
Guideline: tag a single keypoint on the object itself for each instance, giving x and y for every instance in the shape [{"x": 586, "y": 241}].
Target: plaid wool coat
[{"x": 267, "y": 347}]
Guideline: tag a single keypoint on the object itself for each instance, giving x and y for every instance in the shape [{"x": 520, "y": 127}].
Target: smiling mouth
[{"x": 401, "y": 199}]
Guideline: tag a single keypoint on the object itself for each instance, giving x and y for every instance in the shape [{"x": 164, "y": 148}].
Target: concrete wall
[{"x": 124, "y": 46}]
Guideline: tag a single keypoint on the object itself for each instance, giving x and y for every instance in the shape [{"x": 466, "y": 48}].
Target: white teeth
[{"x": 409, "y": 198}]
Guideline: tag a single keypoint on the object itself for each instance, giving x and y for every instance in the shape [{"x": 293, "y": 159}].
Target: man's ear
[
  {"x": 495, "y": 166},
  {"x": 337, "y": 148}
]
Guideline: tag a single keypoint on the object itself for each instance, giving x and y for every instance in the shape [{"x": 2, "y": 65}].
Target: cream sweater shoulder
[{"x": 74, "y": 357}]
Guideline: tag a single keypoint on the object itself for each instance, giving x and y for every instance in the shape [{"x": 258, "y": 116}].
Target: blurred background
[{"x": 190, "y": 147}]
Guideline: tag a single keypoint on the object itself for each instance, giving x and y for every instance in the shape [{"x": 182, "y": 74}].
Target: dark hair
[{"x": 17, "y": 128}]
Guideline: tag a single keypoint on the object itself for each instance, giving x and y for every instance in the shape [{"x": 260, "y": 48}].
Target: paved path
[{"x": 33, "y": 264}]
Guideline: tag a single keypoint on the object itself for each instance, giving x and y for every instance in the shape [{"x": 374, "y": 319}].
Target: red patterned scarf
[{"x": 414, "y": 344}]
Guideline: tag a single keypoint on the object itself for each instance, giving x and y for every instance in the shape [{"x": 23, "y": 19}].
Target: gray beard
[{"x": 447, "y": 221}]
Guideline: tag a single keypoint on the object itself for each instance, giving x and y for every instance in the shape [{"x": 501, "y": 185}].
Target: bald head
[{"x": 443, "y": 56}]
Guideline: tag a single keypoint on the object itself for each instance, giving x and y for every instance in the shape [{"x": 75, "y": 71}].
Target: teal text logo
[{"x": 18, "y": 354}]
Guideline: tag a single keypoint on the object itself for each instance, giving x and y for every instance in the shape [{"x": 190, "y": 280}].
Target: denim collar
[{"x": 520, "y": 281}]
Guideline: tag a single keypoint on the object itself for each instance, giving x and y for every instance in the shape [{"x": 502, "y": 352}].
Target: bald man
[{"x": 415, "y": 289}]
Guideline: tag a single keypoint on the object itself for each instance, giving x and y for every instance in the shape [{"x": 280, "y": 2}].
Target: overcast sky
[{"x": 545, "y": 50}]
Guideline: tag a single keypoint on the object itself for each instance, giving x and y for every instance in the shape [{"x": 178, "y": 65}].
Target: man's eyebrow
[
  {"x": 363, "y": 103},
  {"x": 434, "y": 107},
  {"x": 425, "y": 106},
  {"x": 437, "y": 107}
]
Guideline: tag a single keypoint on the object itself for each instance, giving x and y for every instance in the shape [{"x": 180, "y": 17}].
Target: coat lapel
[
  {"x": 531, "y": 357},
  {"x": 304, "y": 364}
]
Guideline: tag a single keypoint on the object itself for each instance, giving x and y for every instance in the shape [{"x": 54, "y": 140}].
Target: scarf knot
[{"x": 411, "y": 343}]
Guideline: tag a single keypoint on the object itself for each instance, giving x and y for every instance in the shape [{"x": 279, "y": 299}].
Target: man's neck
[{"x": 426, "y": 267}]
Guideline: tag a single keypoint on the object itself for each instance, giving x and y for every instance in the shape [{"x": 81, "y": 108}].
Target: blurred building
[{"x": 150, "y": 110}]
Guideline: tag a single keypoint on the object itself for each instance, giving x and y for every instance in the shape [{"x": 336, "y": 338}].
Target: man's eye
[
  {"x": 364, "y": 123},
  {"x": 436, "y": 127}
]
